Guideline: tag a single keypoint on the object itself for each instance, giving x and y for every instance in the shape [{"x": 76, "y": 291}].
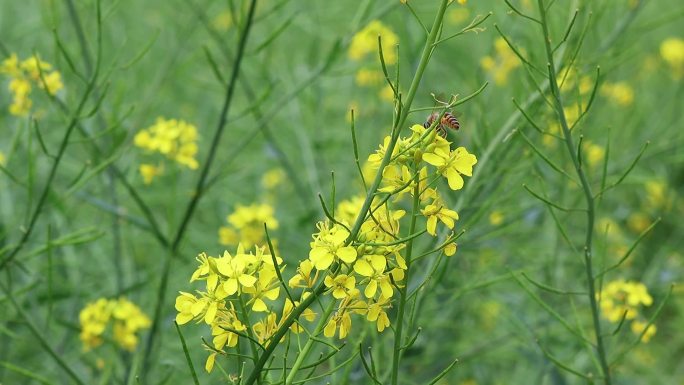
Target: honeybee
[{"x": 448, "y": 121}]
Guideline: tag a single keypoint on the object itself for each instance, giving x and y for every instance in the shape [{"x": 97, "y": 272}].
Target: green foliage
[{"x": 568, "y": 230}]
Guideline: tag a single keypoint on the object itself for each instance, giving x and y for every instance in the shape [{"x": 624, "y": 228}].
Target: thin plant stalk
[
  {"x": 75, "y": 117},
  {"x": 200, "y": 187},
  {"x": 586, "y": 189},
  {"x": 303, "y": 354},
  {"x": 396, "y": 356}
]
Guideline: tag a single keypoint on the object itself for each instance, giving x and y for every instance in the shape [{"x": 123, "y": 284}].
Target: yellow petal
[
  {"x": 347, "y": 254},
  {"x": 210, "y": 362},
  {"x": 363, "y": 268},
  {"x": 433, "y": 159},
  {"x": 455, "y": 180},
  {"x": 183, "y": 318}
]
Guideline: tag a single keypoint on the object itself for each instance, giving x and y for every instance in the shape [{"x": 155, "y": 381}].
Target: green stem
[
  {"x": 303, "y": 354},
  {"x": 75, "y": 117},
  {"x": 589, "y": 197},
  {"x": 245, "y": 320},
  {"x": 402, "y": 291},
  {"x": 43, "y": 342},
  {"x": 200, "y": 189}
]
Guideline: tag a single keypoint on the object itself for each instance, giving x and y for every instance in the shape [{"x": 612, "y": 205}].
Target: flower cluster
[
  {"x": 23, "y": 75},
  {"x": 126, "y": 319},
  {"x": 246, "y": 225},
  {"x": 364, "y": 45},
  {"x": 501, "y": 63},
  {"x": 175, "y": 139},
  {"x": 623, "y": 299},
  {"x": 248, "y": 280},
  {"x": 361, "y": 273},
  {"x": 355, "y": 261}
]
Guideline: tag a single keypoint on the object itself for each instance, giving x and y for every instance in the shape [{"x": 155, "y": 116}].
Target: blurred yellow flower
[
  {"x": 25, "y": 73},
  {"x": 496, "y": 218},
  {"x": 593, "y": 153},
  {"x": 126, "y": 319},
  {"x": 175, "y": 139},
  {"x": 657, "y": 194},
  {"x": 246, "y": 225},
  {"x": 149, "y": 171},
  {"x": 3, "y": 159},
  {"x": 366, "y": 77},
  {"x": 273, "y": 178},
  {"x": 502, "y": 63},
  {"x": 622, "y": 298},
  {"x": 365, "y": 42},
  {"x": 672, "y": 51},
  {"x": 620, "y": 93},
  {"x": 638, "y": 328}
]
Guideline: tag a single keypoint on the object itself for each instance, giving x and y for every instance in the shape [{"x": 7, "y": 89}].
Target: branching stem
[{"x": 586, "y": 189}]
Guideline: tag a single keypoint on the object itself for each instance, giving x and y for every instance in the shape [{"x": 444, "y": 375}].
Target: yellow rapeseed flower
[
  {"x": 341, "y": 285},
  {"x": 125, "y": 317},
  {"x": 267, "y": 287},
  {"x": 328, "y": 246},
  {"x": 377, "y": 313},
  {"x": 452, "y": 165},
  {"x": 175, "y": 139},
  {"x": 22, "y": 75},
  {"x": 235, "y": 269},
  {"x": 438, "y": 212},
  {"x": 622, "y": 298}
]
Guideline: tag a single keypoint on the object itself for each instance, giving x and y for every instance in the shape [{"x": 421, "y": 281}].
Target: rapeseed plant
[
  {"x": 622, "y": 301},
  {"x": 359, "y": 271},
  {"x": 126, "y": 320},
  {"x": 172, "y": 138},
  {"x": 26, "y": 74}
]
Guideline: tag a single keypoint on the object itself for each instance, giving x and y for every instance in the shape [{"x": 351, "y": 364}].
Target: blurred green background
[{"x": 290, "y": 117}]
